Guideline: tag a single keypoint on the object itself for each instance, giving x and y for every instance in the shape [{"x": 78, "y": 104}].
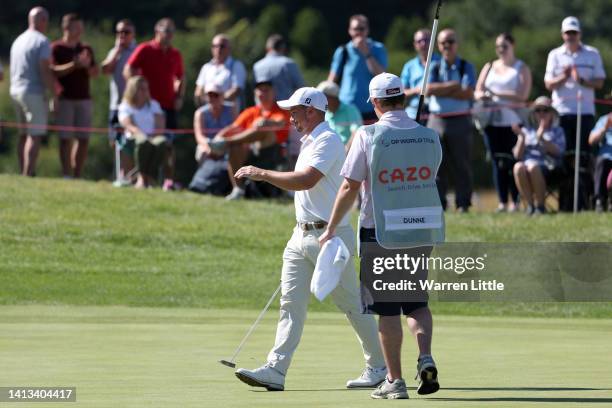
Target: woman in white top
[
  {"x": 507, "y": 82},
  {"x": 141, "y": 117}
]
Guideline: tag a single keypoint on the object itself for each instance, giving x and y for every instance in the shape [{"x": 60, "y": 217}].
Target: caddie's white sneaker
[
  {"x": 391, "y": 390},
  {"x": 369, "y": 378},
  {"x": 427, "y": 374},
  {"x": 264, "y": 376}
]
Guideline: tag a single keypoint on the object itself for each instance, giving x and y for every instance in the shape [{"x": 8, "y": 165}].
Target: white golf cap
[
  {"x": 307, "y": 96},
  {"x": 570, "y": 23},
  {"x": 329, "y": 88},
  {"x": 213, "y": 87},
  {"x": 385, "y": 85}
]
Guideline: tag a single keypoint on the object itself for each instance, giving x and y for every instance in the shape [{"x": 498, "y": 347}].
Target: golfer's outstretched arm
[
  {"x": 344, "y": 201},
  {"x": 287, "y": 180}
]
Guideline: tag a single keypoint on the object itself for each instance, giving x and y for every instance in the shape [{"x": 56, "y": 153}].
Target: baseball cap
[
  {"x": 307, "y": 96},
  {"x": 329, "y": 88},
  {"x": 570, "y": 23},
  {"x": 385, "y": 85},
  {"x": 212, "y": 87}
]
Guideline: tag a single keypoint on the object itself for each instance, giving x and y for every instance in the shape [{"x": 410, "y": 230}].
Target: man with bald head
[
  {"x": 224, "y": 71},
  {"x": 30, "y": 76},
  {"x": 451, "y": 87}
]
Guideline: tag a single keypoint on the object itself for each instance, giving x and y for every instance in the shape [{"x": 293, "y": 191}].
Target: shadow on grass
[
  {"x": 525, "y": 389},
  {"x": 528, "y": 399}
]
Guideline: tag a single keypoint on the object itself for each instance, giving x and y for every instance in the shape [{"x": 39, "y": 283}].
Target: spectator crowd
[{"x": 532, "y": 147}]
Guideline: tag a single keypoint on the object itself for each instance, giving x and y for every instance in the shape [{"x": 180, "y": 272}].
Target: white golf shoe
[
  {"x": 264, "y": 376},
  {"x": 369, "y": 378}
]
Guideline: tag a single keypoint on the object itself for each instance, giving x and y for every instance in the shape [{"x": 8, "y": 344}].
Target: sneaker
[
  {"x": 540, "y": 210},
  {"x": 168, "y": 185},
  {"x": 391, "y": 390},
  {"x": 530, "y": 210},
  {"x": 599, "y": 208},
  {"x": 369, "y": 378},
  {"x": 427, "y": 374},
  {"x": 265, "y": 376},
  {"x": 236, "y": 194}
]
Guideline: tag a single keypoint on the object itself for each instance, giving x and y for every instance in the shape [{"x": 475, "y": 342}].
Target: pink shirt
[{"x": 357, "y": 164}]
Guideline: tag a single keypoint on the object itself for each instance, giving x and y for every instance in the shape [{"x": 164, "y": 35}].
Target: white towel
[{"x": 330, "y": 263}]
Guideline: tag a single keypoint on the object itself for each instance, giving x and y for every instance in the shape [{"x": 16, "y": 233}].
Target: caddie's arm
[
  {"x": 287, "y": 180},
  {"x": 344, "y": 202}
]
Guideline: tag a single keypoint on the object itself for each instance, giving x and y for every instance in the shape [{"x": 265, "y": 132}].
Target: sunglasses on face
[
  {"x": 541, "y": 110},
  {"x": 220, "y": 46},
  {"x": 212, "y": 95},
  {"x": 124, "y": 32},
  {"x": 571, "y": 32},
  {"x": 450, "y": 41},
  {"x": 359, "y": 28}
]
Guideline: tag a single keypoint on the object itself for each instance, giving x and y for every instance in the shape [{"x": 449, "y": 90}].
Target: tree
[{"x": 310, "y": 37}]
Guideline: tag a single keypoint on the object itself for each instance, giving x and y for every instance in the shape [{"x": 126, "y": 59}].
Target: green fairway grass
[
  {"x": 86, "y": 243},
  {"x": 167, "y": 357}
]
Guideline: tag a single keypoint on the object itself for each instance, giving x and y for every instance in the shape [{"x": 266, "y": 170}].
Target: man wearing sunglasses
[
  {"x": 223, "y": 70},
  {"x": 451, "y": 88},
  {"x": 113, "y": 65},
  {"x": 355, "y": 64},
  {"x": 571, "y": 67},
  {"x": 414, "y": 69}
]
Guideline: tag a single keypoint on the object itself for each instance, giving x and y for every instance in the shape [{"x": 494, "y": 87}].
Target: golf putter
[{"x": 231, "y": 363}]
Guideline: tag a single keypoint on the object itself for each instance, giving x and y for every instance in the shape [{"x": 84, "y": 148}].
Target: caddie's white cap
[
  {"x": 570, "y": 23},
  {"x": 307, "y": 96},
  {"x": 385, "y": 85}
]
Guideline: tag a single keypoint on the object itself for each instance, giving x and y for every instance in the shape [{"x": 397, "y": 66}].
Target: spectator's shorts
[
  {"x": 74, "y": 113},
  {"x": 31, "y": 109}
]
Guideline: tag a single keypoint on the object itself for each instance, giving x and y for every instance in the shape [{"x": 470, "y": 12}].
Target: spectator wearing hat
[
  {"x": 451, "y": 88},
  {"x": 254, "y": 137},
  {"x": 113, "y": 65},
  {"x": 538, "y": 151},
  {"x": 162, "y": 66},
  {"x": 223, "y": 70},
  {"x": 414, "y": 70},
  {"x": 601, "y": 138},
  {"x": 74, "y": 64},
  {"x": 342, "y": 117},
  {"x": 209, "y": 119},
  {"x": 572, "y": 67},
  {"x": 355, "y": 63},
  {"x": 31, "y": 76}
]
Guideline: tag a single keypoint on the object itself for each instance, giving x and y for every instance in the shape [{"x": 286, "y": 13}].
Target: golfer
[
  {"x": 315, "y": 180},
  {"x": 400, "y": 209}
]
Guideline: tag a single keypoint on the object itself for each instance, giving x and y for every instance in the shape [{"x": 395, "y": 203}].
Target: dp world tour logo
[{"x": 385, "y": 141}]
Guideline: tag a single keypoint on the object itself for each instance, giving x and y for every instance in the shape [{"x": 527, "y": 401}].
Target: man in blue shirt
[
  {"x": 601, "y": 136},
  {"x": 414, "y": 69},
  {"x": 451, "y": 87},
  {"x": 282, "y": 70},
  {"x": 356, "y": 63}
]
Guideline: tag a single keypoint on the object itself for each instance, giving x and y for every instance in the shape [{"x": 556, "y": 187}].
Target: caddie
[
  {"x": 396, "y": 161},
  {"x": 315, "y": 180}
]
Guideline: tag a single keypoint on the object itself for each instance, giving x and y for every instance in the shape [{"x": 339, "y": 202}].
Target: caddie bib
[{"x": 406, "y": 205}]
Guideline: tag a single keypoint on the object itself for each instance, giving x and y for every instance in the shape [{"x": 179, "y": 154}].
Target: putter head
[{"x": 228, "y": 363}]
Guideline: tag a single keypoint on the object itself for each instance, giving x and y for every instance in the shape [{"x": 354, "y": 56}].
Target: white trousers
[{"x": 299, "y": 260}]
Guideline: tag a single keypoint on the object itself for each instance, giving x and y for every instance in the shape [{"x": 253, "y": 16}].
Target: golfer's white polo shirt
[
  {"x": 589, "y": 65},
  {"x": 322, "y": 149}
]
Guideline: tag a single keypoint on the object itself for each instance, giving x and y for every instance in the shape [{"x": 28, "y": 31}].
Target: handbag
[{"x": 483, "y": 110}]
